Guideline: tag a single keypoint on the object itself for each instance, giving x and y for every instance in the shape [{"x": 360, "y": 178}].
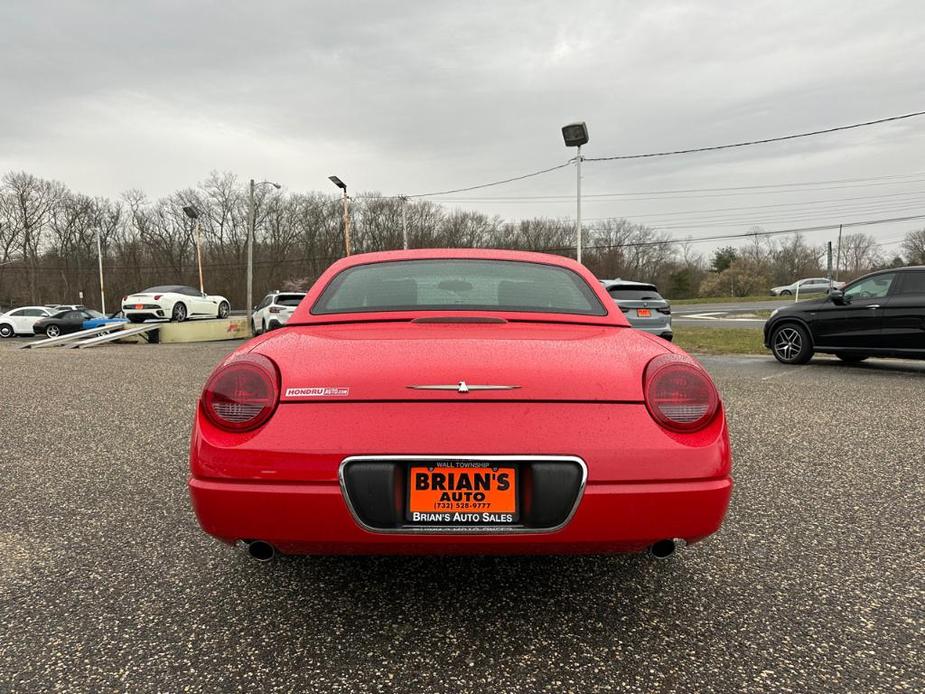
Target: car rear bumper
[
  {"x": 144, "y": 313},
  {"x": 315, "y": 519},
  {"x": 283, "y": 483}
]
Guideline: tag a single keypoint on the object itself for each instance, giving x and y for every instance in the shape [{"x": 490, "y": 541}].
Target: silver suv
[{"x": 642, "y": 305}]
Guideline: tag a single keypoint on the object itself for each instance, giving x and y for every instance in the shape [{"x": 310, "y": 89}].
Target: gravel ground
[{"x": 107, "y": 584}]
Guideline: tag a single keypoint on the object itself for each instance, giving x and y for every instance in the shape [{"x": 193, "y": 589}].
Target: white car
[
  {"x": 175, "y": 302},
  {"x": 812, "y": 285},
  {"x": 274, "y": 310},
  {"x": 19, "y": 321}
]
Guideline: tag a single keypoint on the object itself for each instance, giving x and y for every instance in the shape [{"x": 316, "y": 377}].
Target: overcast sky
[{"x": 417, "y": 97}]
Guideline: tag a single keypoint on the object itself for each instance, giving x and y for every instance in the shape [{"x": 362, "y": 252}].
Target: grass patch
[
  {"x": 739, "y": 299},
  {"x": 719, "y": 340}
]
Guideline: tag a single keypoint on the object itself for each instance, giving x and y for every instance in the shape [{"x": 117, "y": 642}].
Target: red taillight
[
  {"x": 242, "y": 395},
  {"x": 275, "y": 309},
  {"x": 157, "y": 296},
  {"x": 679, "y": 394}
]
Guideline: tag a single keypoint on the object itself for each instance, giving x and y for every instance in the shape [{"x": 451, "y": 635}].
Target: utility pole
[
  {"x": 838, "y": 253},
  {"x": 404, "y": 221},
  {"x": 828, "y": 253},
  {"x": 99, "y": 255},
  {"x": 578, "y": 213}
]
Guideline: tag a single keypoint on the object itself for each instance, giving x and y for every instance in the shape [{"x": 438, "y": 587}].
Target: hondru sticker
[{"x": 318, "y": 392}]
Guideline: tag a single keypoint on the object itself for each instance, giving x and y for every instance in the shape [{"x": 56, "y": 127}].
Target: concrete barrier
[{"x": 232, "y": 328}]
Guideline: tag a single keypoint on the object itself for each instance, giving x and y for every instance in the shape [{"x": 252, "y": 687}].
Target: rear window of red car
[{"x": 459, "y": 285}]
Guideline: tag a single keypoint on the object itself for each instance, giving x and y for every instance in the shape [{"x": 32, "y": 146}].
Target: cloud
[{"x": 421, "y": 96}]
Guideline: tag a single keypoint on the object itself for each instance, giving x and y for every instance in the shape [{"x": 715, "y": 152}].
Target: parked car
[
  {"x": 812, "y": 285},
  {"x": 459, "y": 402},
  {"x": 99, "y": 320},
  {"x": 174, "y": 301},
  {"x": 64, "y": 322},
  {"x": 20, "y": 321},
  {"x": 881, "y": 314},
  {"x": 642, "y": 305},
  {"x": 274, "y": 310}
]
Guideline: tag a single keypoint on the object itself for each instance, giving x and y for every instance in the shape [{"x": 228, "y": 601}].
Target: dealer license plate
[
  {"x": 644, "y": 312},
  {"x": 462, "y": 493}
]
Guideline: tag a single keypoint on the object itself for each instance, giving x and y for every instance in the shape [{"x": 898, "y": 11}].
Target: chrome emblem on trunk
[{"x": 463, "y": 387}]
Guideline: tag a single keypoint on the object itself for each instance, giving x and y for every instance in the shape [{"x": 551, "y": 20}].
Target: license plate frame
[
  {"x": 499, "y": 507},
  {"x": 644, "y": 312}
]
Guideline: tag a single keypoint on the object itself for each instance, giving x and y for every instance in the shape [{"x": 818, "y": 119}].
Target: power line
[
  {"x": 804, "y": 216},
  {"x": 793, "y": 203},
  {"x": 476, "y": 187},
  {"x": 747, "y": 143},
  {"x": 750, "y": 143},
  {"x": 759, "y": 189},
  {"x": 784, "y": 215},
  {"x": 749, "y": 234}
]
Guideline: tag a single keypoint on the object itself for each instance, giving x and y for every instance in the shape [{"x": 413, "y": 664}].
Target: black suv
[{"x": 881, "y": 314}]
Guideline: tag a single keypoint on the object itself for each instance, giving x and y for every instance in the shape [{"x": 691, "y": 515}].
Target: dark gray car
[{"x": 642, "y": 305}]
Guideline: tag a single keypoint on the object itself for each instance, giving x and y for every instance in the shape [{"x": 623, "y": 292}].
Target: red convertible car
[{"x": 459, "y": 401}]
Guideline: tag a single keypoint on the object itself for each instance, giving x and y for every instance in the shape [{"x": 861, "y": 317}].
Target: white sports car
[{"x": 174, "y": 301}]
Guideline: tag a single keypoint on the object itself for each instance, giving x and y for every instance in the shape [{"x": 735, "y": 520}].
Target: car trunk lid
[{"x": 414, "y": 361}]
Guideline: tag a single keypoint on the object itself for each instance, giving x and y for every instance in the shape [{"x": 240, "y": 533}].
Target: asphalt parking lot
[
  {"x": 725, "y": 315},
  {"x": 106, "y": 583}
]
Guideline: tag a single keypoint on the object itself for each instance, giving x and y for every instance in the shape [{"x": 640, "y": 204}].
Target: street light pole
[
  {"x": 99, "y": 255},
  {"x": 251, "y": 221},
  {"x": 578, "y": 213},
  {"x": 199, "y": 255},
  {"x": 251, "y": 232},
  {"x": 346, "y": 222},
  {"x": 576, "y": 135},
  {"x": 343, "y": 186},
  {"x": 404, "y": 221},
  {"x": 191, "y": 212}
]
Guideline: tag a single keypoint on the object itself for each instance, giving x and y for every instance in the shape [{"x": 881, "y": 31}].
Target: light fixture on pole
[
  {"x": 251, "y": 228},
  {"x": 193, "y": 214},
  {"x": 343, "y": 186},
  {"x": 576, "y": 135}
]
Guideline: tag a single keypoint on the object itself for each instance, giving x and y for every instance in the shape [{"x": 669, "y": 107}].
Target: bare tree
[
  {"x": 860, "y": 253},
  {"x": 32, "y": 202},
  {"x": 913, "y": 247},
  {"x": 792, "y": 258},
  {"x": 48, "y": 232}
]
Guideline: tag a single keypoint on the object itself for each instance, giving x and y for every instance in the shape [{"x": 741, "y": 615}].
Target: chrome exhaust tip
[
  {"x": 258, "y": 550},
  {"x": 665, "y": 549}
]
